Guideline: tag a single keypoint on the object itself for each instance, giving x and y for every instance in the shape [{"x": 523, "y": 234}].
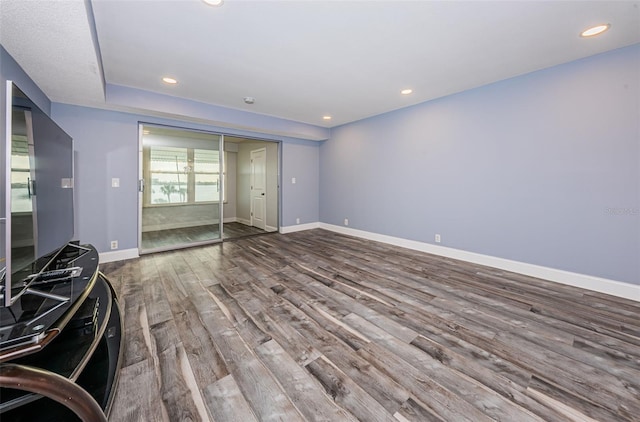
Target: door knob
[{"x": 262, "y": 194}]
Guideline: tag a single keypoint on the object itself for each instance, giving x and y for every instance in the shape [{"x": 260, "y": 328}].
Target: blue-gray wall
[
  {"x": 542, "y": 168},
  {"x": 302, "y": 163},
  {"x": 11, "y": 70},
  {"x": 106, "y": 144}
]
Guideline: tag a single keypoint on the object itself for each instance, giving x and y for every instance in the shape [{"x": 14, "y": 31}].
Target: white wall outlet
[
  {"x": 293, "y": 180},
  {"x": 114, "y": 244},
  {"x": 115, "y": 182},
  {"x": 346, "y": 221},
  {"x": 438, "y": 238},
  {"x": 297, "y": 221}
]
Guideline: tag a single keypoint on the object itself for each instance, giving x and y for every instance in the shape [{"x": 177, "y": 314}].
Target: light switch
[
  {"x": 293, "y": 180},
  {"x": 115, "y": 182}
]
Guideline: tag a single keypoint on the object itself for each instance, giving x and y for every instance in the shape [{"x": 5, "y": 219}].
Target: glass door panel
[{"x": 180, "y": 202}]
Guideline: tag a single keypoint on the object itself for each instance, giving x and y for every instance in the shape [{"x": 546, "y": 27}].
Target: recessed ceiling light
[
  {"x": 249, "y": 100},
  {"x": 169, "y": 80},
  {"x": 406, "y": 91},
  {"x": 595, "y": 30},
  {"x": 213, "y": 2},
  {"x": 326, "y": 117}
]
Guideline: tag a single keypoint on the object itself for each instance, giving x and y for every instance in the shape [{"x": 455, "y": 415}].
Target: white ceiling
[{"x": 300, "y": 59}]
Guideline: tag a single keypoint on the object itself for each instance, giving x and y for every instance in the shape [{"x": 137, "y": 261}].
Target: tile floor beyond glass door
[{"x": 183, "y": 236}]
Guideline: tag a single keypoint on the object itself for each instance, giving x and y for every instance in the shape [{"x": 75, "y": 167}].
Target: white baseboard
[
  {"x": 243, "y": 221},
  {"x": 299, "y": 227},
  {"x": 270, "y": 229},
  {"x": 121, "y": 255},
  {"x": 602, "y": 285},
  {"x": 230, "y": 220}
]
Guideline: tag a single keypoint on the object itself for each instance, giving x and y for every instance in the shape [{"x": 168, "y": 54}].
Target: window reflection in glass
[
  {"x": 183, "y": 175},
  {"x": 20, "y": 176}
]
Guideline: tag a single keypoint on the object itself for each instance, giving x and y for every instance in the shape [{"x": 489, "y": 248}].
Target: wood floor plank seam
[
  {"x": 337, "y": 348},
  {"x": 475, "y": 393},
  {"x": 578, "y": 402},
  {"x": 346, "y": 393}
]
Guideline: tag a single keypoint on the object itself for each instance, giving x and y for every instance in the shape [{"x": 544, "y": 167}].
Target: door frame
[
  {"x": 274, "y": 185},
  {"x": 279, "y": 199},
  {"x": 252, "y": 182}
]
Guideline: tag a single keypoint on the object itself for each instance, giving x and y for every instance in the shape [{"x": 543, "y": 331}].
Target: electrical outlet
[
  {"x": 346, "y": 221},
  {"x": 114, "y": 244},
  {"x": 297, "y": 221},
  {"x": 438, "y": 238}
]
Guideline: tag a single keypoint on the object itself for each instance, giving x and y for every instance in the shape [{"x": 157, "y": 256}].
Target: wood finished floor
[
  {"x": 318, "y": 326},
  {"x": 172, "y": 237}
]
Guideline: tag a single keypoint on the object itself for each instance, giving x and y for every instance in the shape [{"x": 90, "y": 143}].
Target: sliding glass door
[{"x": 181, "y": 187}]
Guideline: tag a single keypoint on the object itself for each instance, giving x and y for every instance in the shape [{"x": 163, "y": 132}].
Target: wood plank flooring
[{"x": 317, "y": 326}]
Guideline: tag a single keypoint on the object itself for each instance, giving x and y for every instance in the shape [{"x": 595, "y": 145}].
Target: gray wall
[
  {"x": 531, "y": 169},
  {"x": 107, "y": 146},
  {"x": 542, "y": 169},
  {"x": 303, "y": 164}
]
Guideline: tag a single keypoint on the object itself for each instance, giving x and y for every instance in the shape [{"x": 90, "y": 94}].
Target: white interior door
[{"x": 259, "y": 188}]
